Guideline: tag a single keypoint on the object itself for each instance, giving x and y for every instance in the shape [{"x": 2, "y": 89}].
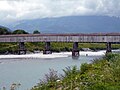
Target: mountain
[{"x": 70, "y": 24}]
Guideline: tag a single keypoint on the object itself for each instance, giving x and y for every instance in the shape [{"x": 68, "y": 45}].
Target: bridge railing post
[
  {"x": 47, "y": 49},
  {"x": 21, "y": 49},
  {"x": 108, "y": 47},
  {"x": 75, "y": 50}
]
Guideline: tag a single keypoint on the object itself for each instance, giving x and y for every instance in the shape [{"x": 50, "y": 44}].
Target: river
[{"x": 27, "y": 72}]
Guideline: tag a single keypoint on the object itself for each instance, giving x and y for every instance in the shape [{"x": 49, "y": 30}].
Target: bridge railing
[{"x": 60, "y": 38}]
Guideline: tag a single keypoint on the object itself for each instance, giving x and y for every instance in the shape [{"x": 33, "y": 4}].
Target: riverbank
[
  {"x": 53, "y": 55},
  {"x": 101, "y": 74}
]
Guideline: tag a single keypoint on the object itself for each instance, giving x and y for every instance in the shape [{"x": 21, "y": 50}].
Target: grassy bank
[
  {"x": 101, "y": 74},
  {"x": 57, "y": 47}
]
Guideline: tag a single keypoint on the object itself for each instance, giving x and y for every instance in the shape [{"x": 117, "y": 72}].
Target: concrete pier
[
  {"x": 22, "y": 49},
  {"x": 47, "y": 48},
  {"x": 75, "y": 51},
  {"x": 108, "y": 47}
]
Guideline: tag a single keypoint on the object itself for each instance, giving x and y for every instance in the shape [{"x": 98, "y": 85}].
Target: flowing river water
[{"x": 27, "y": 72}]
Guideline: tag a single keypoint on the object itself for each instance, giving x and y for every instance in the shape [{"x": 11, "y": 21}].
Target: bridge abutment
[
  {"x": 75, "y": 50},
  {"x": 22, "y": 49},
  {"x": 108, "y": 47},
  {"x": 47, "y": 48}
]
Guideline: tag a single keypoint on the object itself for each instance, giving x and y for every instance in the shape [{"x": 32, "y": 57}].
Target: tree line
[{"x": 5, "y": 31}]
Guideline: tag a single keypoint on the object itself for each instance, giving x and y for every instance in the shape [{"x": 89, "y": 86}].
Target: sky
[{"x": 15, "y": 10}]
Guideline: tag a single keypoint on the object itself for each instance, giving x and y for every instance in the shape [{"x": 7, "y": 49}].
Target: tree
[
  {"x": 4, "y": 31},
  {"x": 19, "y": 32},
  {"x": 36, "y": 32}
]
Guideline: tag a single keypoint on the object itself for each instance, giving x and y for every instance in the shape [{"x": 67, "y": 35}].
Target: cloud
[{"x": 12, "y": 10}]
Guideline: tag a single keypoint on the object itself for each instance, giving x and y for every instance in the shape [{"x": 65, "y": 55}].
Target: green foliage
[
  {"x": 19, "y": 32},
  {"x": 4, "y": 31},
  {"x": 8, "y": 47},
  {"x": 84, "y": 68},
  {"x": 48, "y": 82},
  {"x": 70, "y": 72},
  {"x": 51, "y": 76},
  {"x": 101, "y": 74},
  {"x": 36, "y": 32}
]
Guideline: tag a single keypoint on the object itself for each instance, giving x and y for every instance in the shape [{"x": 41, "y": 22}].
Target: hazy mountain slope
[{"x": 71, "y": 24}]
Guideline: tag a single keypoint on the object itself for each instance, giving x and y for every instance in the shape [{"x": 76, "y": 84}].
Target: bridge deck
[{"x": 93, "y": 38}]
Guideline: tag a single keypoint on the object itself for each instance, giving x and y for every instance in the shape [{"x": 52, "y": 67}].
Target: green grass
[{"x": 55, "y": 46}]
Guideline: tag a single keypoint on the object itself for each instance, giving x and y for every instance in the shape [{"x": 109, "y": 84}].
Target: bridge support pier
[
  {"x": 47, "y": 48},
  {"x": 75, "y": 51},
  {"x": 22, "y": 49},
  {"x": 108, "y": 49}
]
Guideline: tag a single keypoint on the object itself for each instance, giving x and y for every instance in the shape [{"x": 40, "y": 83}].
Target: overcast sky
[{"x": 12, "y": 10}]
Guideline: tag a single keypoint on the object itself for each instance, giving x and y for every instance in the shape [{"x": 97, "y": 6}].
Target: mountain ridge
[{"x": 71, "y": 24}]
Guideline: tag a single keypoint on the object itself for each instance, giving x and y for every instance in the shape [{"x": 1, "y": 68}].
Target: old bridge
[{"x": 107, "y": 38}]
